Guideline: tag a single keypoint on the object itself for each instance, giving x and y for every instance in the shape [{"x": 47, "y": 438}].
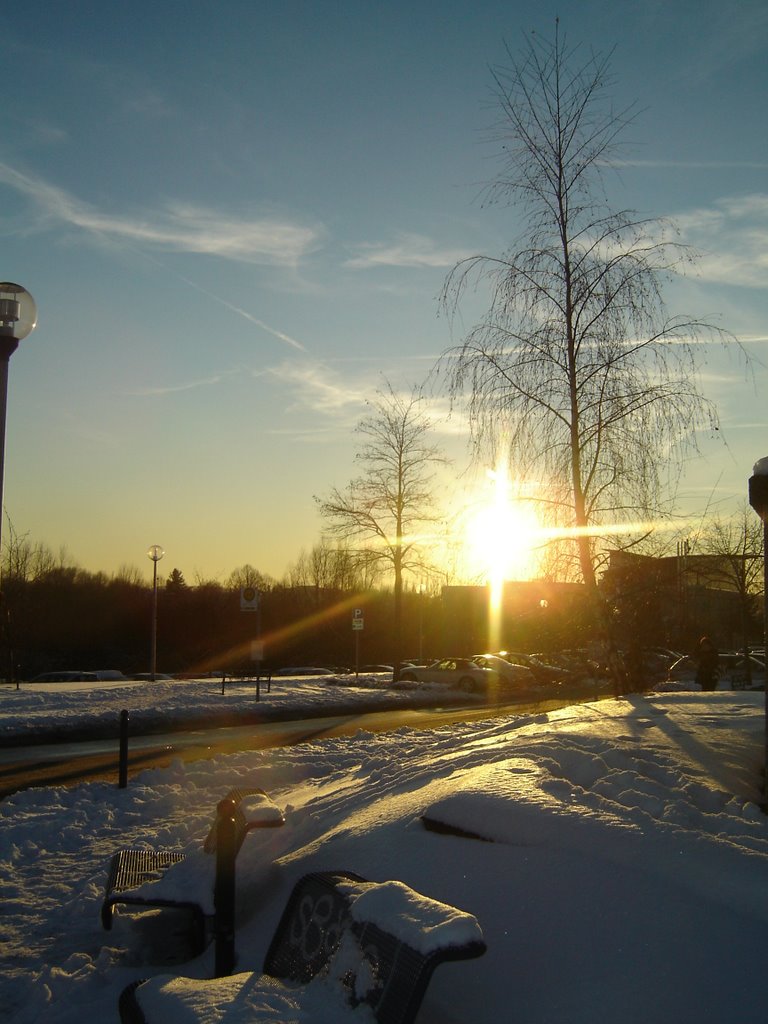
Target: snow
[
  {"x": 424, "y": 924},
  {"x": 613, "y": 853}
]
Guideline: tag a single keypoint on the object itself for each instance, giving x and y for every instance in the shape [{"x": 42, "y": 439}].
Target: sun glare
[{"x": 503, "y": 534}]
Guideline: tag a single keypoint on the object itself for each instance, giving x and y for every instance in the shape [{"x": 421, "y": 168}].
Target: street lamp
[
  {"x": 155, "y": 552},
  {"x": 758, "y": 499},
  {"x": 18, "y": 316}
]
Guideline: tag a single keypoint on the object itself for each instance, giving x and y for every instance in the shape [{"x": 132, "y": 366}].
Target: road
[{"x": 68, "y": 763}]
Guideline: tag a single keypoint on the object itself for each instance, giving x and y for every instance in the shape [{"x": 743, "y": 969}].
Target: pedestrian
[
  {"x": 617, "y": 670},
  {"x": 708, "y": 664},
  {"x": 635, "y": 667}
]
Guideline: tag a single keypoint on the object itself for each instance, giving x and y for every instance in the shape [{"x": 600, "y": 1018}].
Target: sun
[{"x": 503, "y": 534}]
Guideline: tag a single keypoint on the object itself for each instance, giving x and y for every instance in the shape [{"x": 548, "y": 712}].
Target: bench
[
  {"x": 340, "y": 938},
  {"x": 257, "y": 676},
  {"x": 134, "y": 873}
]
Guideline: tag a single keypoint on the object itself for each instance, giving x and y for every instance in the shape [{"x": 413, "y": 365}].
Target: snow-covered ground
[
  {"x": 624, "y": 880},
  {"x": 37, "y": 709}
]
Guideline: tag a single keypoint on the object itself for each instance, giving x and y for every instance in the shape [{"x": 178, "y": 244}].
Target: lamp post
[
  {"x": 155, "y": 553},
  {"x": 18, "y": 316},
  {"x": 758, "y": 499},
  {"x": 422, "y": 592}
]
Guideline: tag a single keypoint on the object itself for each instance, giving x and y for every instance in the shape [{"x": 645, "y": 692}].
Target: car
[
  {"x": 103, "y": 675},
  {"x": 517, "y": 678},
  {"x": 461, "y": 673},
  {"x": 377, "y": 668},
  {"x": 546, "y": 674},
  {"x": 304, "y": 670},
  {"x": 731, "y": 673},
  {"x": 63, "y": 677}
]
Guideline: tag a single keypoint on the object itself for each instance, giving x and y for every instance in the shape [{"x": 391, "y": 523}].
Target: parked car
[
  {"x": 732, "y": 672},
  {"x": 304, "y": 670},
  {"x": 64, "y": 677},
  {"x": 545, "y": 673},
  {"x": 516, "y": 678},
  {"x": 377, "y": 668},
  {"x": 461, "y": 673}
]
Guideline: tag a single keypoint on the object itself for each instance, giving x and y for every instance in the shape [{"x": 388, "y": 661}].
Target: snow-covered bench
[
  {"x": 341, "y": 943},
  {"x": 135, "y": 876}
]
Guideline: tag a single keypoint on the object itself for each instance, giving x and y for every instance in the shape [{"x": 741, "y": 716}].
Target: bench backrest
[{"x": 376, "y": 968}]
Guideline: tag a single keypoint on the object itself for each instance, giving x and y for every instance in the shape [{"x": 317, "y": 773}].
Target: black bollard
[
  {"x": 224, "y": 890},
  {"x": 122, "y": 777}
]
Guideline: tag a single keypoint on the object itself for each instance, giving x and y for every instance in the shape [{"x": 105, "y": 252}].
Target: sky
[
  {"x": 623, "y": 868},
  {"x": 236, "y": 220}
]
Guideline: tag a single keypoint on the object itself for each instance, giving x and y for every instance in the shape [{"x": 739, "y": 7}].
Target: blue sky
[{"x": 236, "y": 217}]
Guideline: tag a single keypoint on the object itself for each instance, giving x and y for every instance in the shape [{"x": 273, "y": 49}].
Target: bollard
[
  {"x": 122, "y": 771},
  {"x": 224, "y": 890}
]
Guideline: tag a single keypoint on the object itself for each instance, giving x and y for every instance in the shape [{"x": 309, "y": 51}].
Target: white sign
[
  {"x": 357, "y": 624},
  {"x": 249, "y": 599},
  {"x": 358, "y": 613},
  {"x": 257, "y": 650}
]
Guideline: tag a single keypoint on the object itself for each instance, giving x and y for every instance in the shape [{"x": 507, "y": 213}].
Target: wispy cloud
[
  {"x": 318, "y": 389},
  {"x": 192, "y": 385},
  {"x": 409, "y": 250},
  {"x": 755, "y": 165},
  {"x": 732, "y": 237},
  {"x": 178, "y": 227}
]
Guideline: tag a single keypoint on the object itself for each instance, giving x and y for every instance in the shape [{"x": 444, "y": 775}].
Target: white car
[
  {"x": 518, "y": 678},
  {"x": 459, "y": 673}
]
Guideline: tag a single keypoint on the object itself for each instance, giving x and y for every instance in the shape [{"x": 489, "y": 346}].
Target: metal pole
[
  {"x": 421, "y": 621},
  {"x": 224, "y": 890},
  {"x": 7, "y": 346},
  {"x": 122, "y": 772},
  {"x": 153, "y": 655}
]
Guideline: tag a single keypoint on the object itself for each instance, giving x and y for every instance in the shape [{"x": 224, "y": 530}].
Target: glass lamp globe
[
  {"x": 18, "y": 310},
  {"x": 155, "y": 552}
]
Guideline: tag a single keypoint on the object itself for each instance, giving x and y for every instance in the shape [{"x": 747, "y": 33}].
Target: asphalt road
[{"x": 69, "y": 763}]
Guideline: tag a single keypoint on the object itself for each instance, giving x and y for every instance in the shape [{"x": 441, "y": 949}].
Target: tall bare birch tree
[
  {"x": 389, "y": 510},
  {"x": 593, "y": 383}
]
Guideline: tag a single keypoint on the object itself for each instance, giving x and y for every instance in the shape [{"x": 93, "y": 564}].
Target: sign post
[
  {"x": 250, "y": 601},
  {"x": 358, "y": 625}
]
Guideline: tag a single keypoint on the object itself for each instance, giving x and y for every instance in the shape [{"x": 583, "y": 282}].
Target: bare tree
[
  {"x": 593, "y": 384},
  {"x": 24, "y": 560},
  {"x": 327, "y": 567},
  {"x": 129, "y": 574},
  {"x": 247, "y": 576},
  {"x": 737, "y": 544},
  {"x": 389, "y": 511}
]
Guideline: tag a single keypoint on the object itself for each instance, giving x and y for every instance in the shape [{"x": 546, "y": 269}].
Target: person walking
[{"x": 708, "y": 664}]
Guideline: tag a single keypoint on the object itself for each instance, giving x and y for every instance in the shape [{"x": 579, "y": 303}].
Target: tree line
[{"x": 57, "y": 616}]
